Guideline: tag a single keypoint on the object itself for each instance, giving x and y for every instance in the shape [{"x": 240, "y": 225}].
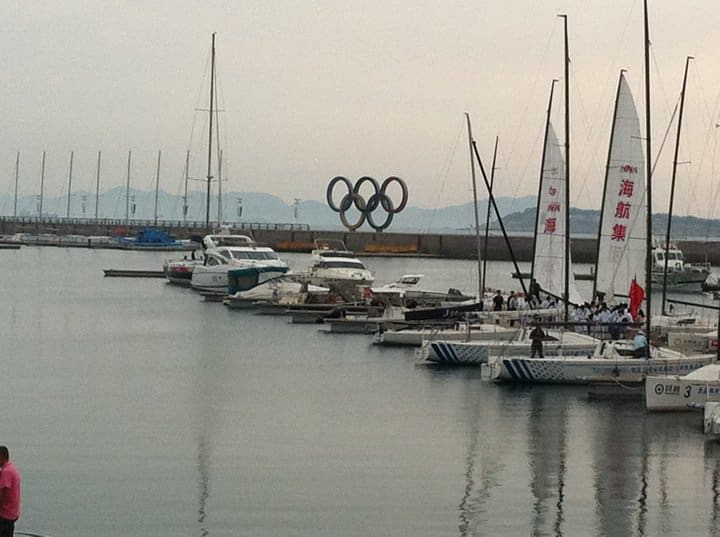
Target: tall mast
[
  {"x": 672, "y": 183},
  {"x": 475, "y": 207},
  {"x": 42, "y": 184},
  {"x": 187, "y": 178},
  {"x": 17, "y": 176},
  {"x": 219, "y": 208},
  {"x": 540, "y": 182},
  {"x": 607, "y": 172},
  {"x": 648, "y": 166},
  {"x": 567, "y": 169},
  {"x": 499, "y": 217},
  {"x": 127, "y": 190},
  {"x": 487, "y": 217},
  {"x": 157, "y": 184},
  {"x": 209, "y": 166},
  {"x": 69, "y": 185},
  {"x": 97, "y": 186}
]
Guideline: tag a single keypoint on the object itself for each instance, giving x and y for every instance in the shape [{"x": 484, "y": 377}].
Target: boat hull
[
  {"x": 678, "y": 393},
  {"x": 446, "y": 352},
  {"x": 577, "y": 370}
]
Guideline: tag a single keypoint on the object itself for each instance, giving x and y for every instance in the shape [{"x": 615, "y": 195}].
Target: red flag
[{"x": 637, "y": 294}]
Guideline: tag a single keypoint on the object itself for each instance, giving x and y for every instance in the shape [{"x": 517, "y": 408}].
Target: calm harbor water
[{"x": 134, "y": 408}]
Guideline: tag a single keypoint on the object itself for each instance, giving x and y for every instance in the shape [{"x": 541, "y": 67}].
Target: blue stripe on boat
[
  {"x": 511, "y": 369},
  {"x": 439, "y": 349},
  {"x": 526, "y": 369}
]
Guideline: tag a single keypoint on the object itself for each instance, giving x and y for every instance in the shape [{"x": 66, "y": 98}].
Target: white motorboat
[
  {"x": 681, "y": 277},
  {"x": 683, "y": 392},
  {"x": 224, "y": 252},
  {"x": 408, "y": 287},
  {"x": 555, "y": 343},
  {"x": 252, "y": 286},
  {"x": 332, "y": 264},
  {"x": 610, "y": 362}
]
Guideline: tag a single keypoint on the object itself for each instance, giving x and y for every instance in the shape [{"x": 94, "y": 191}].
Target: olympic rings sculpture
[{"x": 378, "y": 199}]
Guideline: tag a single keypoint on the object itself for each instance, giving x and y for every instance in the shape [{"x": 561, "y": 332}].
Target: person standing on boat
[
  {"x": 9, "y": 494},
  {"x": 498, "y": 301},
  {"x": 512, "y": 303},
  {"x": 536, "y": 341}
]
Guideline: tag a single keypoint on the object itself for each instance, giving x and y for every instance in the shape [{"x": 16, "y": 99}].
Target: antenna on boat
[
  {"x": 475, "y": 207},
  {"x": 672, "y": 183}
]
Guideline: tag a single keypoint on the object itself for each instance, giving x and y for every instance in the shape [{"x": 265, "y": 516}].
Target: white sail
[
  {"x": 549, "y": 261},
  {"x": 622, "y": 247}
]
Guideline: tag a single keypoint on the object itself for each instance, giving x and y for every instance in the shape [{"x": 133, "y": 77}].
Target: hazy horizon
[{"x": 317, "y": 89}]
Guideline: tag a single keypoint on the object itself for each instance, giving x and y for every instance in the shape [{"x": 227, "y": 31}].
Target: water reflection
[
  {"x": 712, "y": 465},
  {"x": 547, "y": 446},
  {"x": 204, "y": 484},
  {"x": 620, "y": 474}
]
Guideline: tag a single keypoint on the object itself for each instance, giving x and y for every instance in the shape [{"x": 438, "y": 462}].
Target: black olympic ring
[{"x": 378, "y": 199}]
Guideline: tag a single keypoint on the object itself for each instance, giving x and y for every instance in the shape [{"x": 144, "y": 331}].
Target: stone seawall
[{"x": 451, "y": 246}]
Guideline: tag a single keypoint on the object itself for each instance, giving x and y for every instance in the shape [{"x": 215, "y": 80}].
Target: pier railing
[{"x": 122, "y": 222}]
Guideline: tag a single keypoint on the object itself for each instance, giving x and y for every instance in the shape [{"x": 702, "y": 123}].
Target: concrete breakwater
[{"x": 298, "y": 238}]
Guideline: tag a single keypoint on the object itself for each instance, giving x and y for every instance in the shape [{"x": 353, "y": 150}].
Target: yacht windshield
[{"x": 343, "y": 264}]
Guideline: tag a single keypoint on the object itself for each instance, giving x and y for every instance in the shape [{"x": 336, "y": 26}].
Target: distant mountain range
[{"x": 518, "y": 213}]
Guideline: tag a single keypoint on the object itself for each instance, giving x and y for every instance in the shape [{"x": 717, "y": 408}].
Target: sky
[{"x": 313, "y": 89}]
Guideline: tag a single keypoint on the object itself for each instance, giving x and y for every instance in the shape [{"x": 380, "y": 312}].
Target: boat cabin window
[
  {"x": 225, "y": 254},
  {"x": 213, "y": 261},
  {"x": 230, "y": 240},
  {"x": 240, "y": 255},
  {"x": 342, "y": 264},
  {"x": 262, "y": 255},
  {"x": 244, "y": 280}
]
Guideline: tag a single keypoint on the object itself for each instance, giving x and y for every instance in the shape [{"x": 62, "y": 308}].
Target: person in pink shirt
[{"x": 9, "y": 494}]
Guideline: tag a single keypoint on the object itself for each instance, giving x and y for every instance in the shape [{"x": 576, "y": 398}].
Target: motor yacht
[{"x": 223, "y": 252}]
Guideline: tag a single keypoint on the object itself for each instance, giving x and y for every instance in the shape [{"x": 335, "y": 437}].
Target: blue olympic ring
[{"x": 378, "y": 199}]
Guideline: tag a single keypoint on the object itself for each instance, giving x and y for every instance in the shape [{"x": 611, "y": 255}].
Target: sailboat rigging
[
  {"x": 648, "y": 160},
  {"x": 210, "y": 133},
  {"x": 550, "y": 249},
  {"x": 475, "y": 208},
  {"x": 672, "y": 185}
]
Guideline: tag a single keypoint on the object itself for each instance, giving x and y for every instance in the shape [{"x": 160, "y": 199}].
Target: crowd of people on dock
[{"x": 597, "y": 318}]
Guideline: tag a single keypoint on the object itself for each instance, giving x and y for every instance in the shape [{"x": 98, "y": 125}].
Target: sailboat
[
  {"x": 180, "y": 271},
  {"x": 625, "y": 179},
  {"x": 622, "y": 232},
  {"x": 550, "y": 260}
]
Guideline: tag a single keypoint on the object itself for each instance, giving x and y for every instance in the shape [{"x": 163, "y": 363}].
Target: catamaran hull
[
  {"x": 562, "y": 370},
  {"x": 447, "y": 352}
]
